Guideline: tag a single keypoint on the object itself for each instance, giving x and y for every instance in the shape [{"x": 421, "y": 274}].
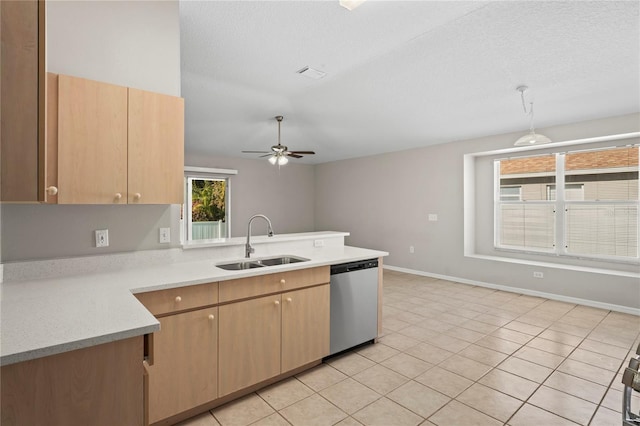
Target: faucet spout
[{"x": 248, "y": 249}]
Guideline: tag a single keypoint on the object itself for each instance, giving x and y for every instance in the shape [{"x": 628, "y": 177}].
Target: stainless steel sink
[{"x": 259, "y": 263}]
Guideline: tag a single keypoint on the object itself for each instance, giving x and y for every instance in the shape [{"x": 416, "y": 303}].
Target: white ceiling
[{"x": 400, "y": 74}]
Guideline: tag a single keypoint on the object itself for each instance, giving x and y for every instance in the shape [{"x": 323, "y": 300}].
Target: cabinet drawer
[
  {"x": 179, "y": 299},
  {"x": 272, "y": 283}
]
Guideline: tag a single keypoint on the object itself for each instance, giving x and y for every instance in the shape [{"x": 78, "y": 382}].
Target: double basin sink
[{"x": 261, "y": 263}]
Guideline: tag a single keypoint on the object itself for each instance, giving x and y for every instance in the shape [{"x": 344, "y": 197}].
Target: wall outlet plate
[
  {"x": 433, "y": 217},
  {"x": 165, "y": 235},
  {"x": 538, "y": 275},
  {"x": 318, "y": 243},
  {"x": 102, "y": 238},
  {"x": 412, "y": 249}
]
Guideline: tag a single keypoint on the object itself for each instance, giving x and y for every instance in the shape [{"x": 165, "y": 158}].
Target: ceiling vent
[{"x": 311, "y": 73}]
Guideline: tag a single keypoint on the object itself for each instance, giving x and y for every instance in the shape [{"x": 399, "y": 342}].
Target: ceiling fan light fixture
[
  {"x": 282, "y": 160},
  {"x": 351, "y": 4},
  {"x": 273, "y": 159},
  {"x": 531, "y": 138}
]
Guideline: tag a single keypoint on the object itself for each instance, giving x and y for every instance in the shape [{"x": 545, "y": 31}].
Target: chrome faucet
[{"x": 247, "y": 246}]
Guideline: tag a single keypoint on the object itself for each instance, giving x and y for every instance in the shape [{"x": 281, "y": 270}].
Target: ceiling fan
[{"x": 279, "y": 153}]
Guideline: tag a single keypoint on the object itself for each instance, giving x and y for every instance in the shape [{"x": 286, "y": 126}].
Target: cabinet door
[
  {"x": 305, "y": 326},
  {"x": 184, "y": 370},
  {"x": 156, "y": 148},
  {"x": 92, "y": 142},
  {"x": 21, "y": 105},
  {"x": 249, "y": 343}
]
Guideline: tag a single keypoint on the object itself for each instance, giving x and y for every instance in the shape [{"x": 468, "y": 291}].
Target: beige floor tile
[
  {"x": 603, "y": 348},
  {"x": 613, "y": 337},
  {"x": 465, "y": 334},
  {"x": 448, "y": 343},
  {"x": 435, "y": 325},
  {"x": 576, "y": 386},
  {"x": 613, "y": 400},
  {"x": 451, "y": 318},
  {"x": 273, "y": 420},
  {"x": 539, "y": 357},
  {"x": 596, "y": 359},
  {"x": 378, "y": 352},
  {"x": 550, "y": 346},
  {"x": 489, "y": 401},
  {"x": 510, "y": 384},
  {"x": 560, "y": 337},
  {"x": 499, "y": 345},
  {"x": 456, "y": 413},
  {"x": 492, "y": 320},
  {"x": 574, "y": 330},
  {"x": 351, "y": 363},
  {"x": 398, "y": 341},
  {"x": 349, "y": 395},
  {"x": 606, "y": 417},
  {"x": 529, "y": 415},
  {"x": 243, "y": 411},
  {"x": 523, "y": 327},
  {"x": 526, "y": 369},
  {"x": 539, "y": 321},
  {"x": 465, "y": 367},
  {"x": 285, "y": 393},
  {"x": 563, "y": 404},
  {"x": 512, "y": 336},
  {"x": 410, "y": 317},
  {"x": 587, "y": 372},
  {"x": 349, "y": 421},
  {"x": 385, "y": 412},
  {"x": 479, "y": 327},
  {"x": 381, "y": 379},
  {"x": 418, "y": 398},
  {"x": 321, "y": 377},
  {"x": 313, "y": 411},
  {"x": 406, "y": 365},
  {"x": 418, "y": 333},
  {"x": 394, "y": 324},
  {"x": 429, "y": 353},
  {"x": 204, "y": 419},
  {"x": 483, "y": 355},
  {"x": 444, "y": 381}
]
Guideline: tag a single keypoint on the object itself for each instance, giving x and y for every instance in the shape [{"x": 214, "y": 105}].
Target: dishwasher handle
[{"x": 354, "y": 266}]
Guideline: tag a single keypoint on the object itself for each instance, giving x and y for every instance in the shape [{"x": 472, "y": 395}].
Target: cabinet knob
[
  {"x": 137, "y": 196},
  {"x": 289, "y": 299},
  {"x": 211, "y": 317},
  {"x": 277, "y": 302},
  {"x": 52, "y": 190},
  {"x": 283, "y": 281},
  {"x": 178, "y": 299},
  {"x": 117, "y": 196}
]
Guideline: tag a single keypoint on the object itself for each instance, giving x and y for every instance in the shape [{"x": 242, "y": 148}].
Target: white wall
[
  {"x": 384, "y": 202},
  {"x": 129, "y": 43},
  {"x": 285, "y": 196}
]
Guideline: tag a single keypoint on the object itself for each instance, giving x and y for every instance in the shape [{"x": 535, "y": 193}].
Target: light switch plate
[
  {"x": 102, "y": 238},
  {"x": 165, "y": 235},
  {"x": 433, "y": 217}
]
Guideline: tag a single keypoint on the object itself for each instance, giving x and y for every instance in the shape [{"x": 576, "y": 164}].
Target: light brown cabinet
[
  {"x": 22, "y": 104},
  {"x": 99, "y": 385},
  {"x": 109, "y": 144},
  {"x": 185, "y": 364}
]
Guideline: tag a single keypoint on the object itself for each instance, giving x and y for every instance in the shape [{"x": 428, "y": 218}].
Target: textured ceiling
[{"x": 399, "y": 74}]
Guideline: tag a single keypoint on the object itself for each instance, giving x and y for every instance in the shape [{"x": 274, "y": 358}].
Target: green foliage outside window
[{"x": 208, "y": 200}]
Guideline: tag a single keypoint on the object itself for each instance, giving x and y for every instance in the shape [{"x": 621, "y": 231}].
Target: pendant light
[{"x": 531, "y": 138}]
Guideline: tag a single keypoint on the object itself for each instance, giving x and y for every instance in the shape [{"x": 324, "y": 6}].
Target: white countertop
[{"x": 50, "y": 316}]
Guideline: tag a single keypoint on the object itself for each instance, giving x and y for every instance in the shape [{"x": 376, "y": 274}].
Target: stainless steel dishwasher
[{"x": 354, "y": 304}]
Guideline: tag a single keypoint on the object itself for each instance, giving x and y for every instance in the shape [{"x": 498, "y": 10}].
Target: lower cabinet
[
  {"x": 98, "y": 385},
  {"x": 185, "y": 363}
]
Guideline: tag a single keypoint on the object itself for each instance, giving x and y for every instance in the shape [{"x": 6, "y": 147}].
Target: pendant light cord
[{"x": 524, "y": 107}]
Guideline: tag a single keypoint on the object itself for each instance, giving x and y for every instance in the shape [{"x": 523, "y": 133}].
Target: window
[
  {"x": 595, "y": 214},
  {"x": 206, "y": 208}
]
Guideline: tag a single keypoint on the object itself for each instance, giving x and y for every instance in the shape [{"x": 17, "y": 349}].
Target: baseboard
[{"x": 552, "y": 296}]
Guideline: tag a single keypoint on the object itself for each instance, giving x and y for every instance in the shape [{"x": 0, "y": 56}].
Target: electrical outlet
[
  {"x": 318, "y": 243},
  {"x": 433, "y": 217},
  {"x": 165, "y": 235},
  {"x": 412, "y": 249},
  {"x": 102, "y": 238},
  {"x": 538, "y": 275}
]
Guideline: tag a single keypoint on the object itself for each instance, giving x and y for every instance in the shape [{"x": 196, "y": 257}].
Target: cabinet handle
[
  {"x": 137, "y": 196},
  {"x": 277, "y": 302},
  {"x": 118, "y": 196},
  {"x": 211, "y": 317},
  {"x": 178, "y": 299},
  {"x": 52, "y": 190},
  {"x": 282, "y": 281},
  {"x": 289, "y": 299}
]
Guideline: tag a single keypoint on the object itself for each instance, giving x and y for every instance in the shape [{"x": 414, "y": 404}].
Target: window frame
[{"x": 561, "y": 238}]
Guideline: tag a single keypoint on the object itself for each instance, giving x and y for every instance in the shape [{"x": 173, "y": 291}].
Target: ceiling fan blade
[
  {"x": 303, "y": 152},
  {"x": 293, "y": 154},
  {"x": 255, "y": 152},
  {"x": 266, "y": 155}
]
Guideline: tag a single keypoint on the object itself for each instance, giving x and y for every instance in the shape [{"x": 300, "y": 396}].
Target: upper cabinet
[
  {"x": 22, "y": 101},
  {"x": 109, "y": 144}
]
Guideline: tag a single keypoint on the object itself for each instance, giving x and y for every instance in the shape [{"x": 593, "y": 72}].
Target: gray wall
[
  {"x": 285, "y": 196},
  {"x": 129, "y": 43},
  {"x": 384, "y": 202}
]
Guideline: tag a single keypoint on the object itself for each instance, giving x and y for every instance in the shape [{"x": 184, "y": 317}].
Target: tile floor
[{"x": 455, "y": 354}]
